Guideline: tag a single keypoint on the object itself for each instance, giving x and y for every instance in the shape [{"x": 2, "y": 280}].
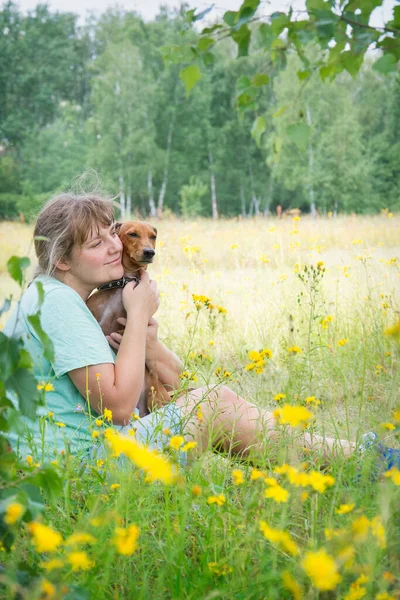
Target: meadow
[{"x": 296, "y": 316}]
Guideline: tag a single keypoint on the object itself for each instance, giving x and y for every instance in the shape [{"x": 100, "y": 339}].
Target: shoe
[{"x": 380, "y": 458}]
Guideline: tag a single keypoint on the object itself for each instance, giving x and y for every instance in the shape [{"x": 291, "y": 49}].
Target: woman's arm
[{"x": 118, "y": 387}]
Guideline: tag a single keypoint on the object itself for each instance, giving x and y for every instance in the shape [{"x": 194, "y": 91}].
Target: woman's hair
[{"x": 66, "y": 220}]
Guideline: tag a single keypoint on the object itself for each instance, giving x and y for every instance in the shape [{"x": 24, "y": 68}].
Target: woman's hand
[
  {"x": 143, "y": 298},
  {"x": 114, "y": 339}
]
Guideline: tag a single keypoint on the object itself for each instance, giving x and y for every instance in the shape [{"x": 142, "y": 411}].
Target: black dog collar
[{"x": 117, "y": 283}]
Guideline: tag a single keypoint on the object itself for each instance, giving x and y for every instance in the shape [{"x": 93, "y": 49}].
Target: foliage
[{"x": 191, "y": 198}]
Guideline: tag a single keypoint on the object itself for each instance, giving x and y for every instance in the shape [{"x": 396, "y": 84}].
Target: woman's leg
[{"x": 220, "y": 417}]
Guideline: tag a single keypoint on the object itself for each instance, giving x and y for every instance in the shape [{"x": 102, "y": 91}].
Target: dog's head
[{"x": 139, "y": 241}]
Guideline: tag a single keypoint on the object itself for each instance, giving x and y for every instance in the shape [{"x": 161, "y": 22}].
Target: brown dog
[{"x": 139, "y": 242}]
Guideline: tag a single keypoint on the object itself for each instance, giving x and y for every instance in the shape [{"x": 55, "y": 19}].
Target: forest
[{"x": 103, "y": 96}]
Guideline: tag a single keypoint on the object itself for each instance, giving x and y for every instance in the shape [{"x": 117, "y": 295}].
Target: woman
[{"x": 78, "y": 250}]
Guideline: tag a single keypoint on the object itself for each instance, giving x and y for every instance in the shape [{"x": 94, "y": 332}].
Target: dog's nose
[{"x": 149, "y": 252}]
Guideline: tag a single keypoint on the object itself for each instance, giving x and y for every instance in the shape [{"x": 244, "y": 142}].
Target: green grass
[{"x": 268, "y": 306}]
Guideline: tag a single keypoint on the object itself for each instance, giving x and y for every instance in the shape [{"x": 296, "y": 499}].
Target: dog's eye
[
  {"x": 153, "y": 237},
  {"x": 133, "y": 234}
]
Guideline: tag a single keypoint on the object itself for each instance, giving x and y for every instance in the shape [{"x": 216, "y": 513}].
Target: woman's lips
[{"x": 118, "y": 259}]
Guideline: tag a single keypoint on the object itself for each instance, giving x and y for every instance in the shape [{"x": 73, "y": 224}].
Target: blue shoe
[{"x": 379, "y": 456}]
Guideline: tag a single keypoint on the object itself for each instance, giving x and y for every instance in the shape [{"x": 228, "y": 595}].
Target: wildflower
[
  {"x": 384, "y": 596},
  {"x": 114, "y": 486},
  {"x": 80, "y": 561},
  {"x": 196, "y": 490},
  {"x": 320, "y": 265},
  {"x": 107, "y": 414},
  {"x": 342, "y": 342},
  {"x": 98, "y": 422},
  {"x": 14, "y": 512},
  {"x": 126, "y": 539},
  {"x": 99, "y": 463},
  {"x": 388, "y": 426},
  {"x": 312, "y": 400},
  {"x": 218, "y": 569},
  {"x": 218, "y": 500},
  {"x": 394, "y": 332},
  {"x": 264, "y": 259},
  {"x": 279, "y": 397},
  {"x": 357, "y": 242},
  {"x": 44, "y": 538},
  {"x": 188, "y": 446},
  {"x": 281, "y": 538},
  {"x": 95, "y": 434},
  {"x": 291, "y": 585},
  {"x": 48, "y": 589},
  {"x": 166, "y": 431},
  {"x": 51, "y": 565},
  {"x": 344, "y": 509},
  {"x": 47, "y": 387},
  {"x": 176, "y": 441},
  {"x": 319, "y": 482},
  {"x": 59, "y": 424},
  {"x": 325, "y": 321},
  {"x": 356, "y": 592},
  {"x": 360, "y": 528},
  {"x": 200, "y": 415},
  {"x": 79, "y": 408},
  {"x": 294, "y": 350},
  {"x": 154, "y": 464},
  {"x": 79, "y": 538},
  {"x": 50, "y": 414},
  {"x": 322, "y": 570},
  {"x": 234, "y": 247},
  {"x": 295, "y": 416},
  {"x": 277, "y": 493},
  {"x": 378, "y": 530},
  {"x": 211, "y": 343},
  {"x": 256, "y": 474},
  {"x": 97, "y": 376},
  {"x": 188, "y": 376},
  {"x": 238, "y": 477},
  {"x": 394, "y": 475}
]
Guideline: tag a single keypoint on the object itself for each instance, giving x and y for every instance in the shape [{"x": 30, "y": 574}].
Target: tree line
[{"x": 106, "y": 96}]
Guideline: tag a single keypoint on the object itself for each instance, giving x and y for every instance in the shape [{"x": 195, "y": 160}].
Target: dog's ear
[
  {"x": 154, "y": 229},
  {"x": 118, "y": 227}
]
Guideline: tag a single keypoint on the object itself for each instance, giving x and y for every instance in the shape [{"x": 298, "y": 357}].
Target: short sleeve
[{"x": 77, "y": 337}]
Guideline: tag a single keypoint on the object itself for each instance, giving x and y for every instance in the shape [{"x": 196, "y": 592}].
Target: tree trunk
[
  {"x": 166, "y": 167},
  {"x": 214, "y": 205},
  {"x": 255, "y": 202},
  {"x": 310, "y": 168},
  {"x": 268, "y": 199},
  {"x": 243, "y": 200},
  {"x": 152, "y": 204},
  {"x": 122, "y": 197},
  {"x": 129, "y": 203}
]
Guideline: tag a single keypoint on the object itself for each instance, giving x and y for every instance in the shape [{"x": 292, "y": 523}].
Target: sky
[{"x": 149, "y": 8}]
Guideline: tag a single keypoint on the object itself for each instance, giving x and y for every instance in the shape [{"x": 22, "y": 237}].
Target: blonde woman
[{"x": 78, "y": 250}]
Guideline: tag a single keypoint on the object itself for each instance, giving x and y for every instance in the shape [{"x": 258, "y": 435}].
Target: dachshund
[{"x": 139, "y": 241}]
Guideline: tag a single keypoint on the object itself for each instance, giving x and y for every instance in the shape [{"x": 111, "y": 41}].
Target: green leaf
[
  {"x": 242, "y": 38},
  {"x": 279, "y": 112},
  {"x": 328, "y": 71},
  {"x": 299, "y": 134},
  {"x": 259, "y": 127},
  {"x": 260, "y": 79},
  {"x": 305, "y": 74},
  {"x": 243, "y": 82},
  {"x": 9, "y": 356},
  {"x": 191, "y": 17},
  {"x": 48, "y": 347},
  {"x": 190, "y": 76},
  {"x": 208, "y": 30},
  {"x": 16, "y": 266},
  {"x": 208, "y": 59},
  {"x": 351, "y": 62},
  {"x": 6, "y": 306},
  {"x": 49, "y": 481},
  {"x": 23, "y": 383},
  {"x": 246, "y": 101},
  {"x": 205, "y": 43},
  {"x": 230, "y": 17},
  {"x": 386, "y": 64},
  {"x": 279, "y": 20},
  {"x": 267, "y": 36}
]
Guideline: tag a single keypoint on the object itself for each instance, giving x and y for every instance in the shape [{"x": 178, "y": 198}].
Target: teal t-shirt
[{"x": 78, "y": 342}]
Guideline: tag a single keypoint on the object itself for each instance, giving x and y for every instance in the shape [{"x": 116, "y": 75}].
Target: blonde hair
[{"x": 65, "y": 221}]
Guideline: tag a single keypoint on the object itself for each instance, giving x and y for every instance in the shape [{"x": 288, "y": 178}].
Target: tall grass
[{"x": 333, "y": 314}]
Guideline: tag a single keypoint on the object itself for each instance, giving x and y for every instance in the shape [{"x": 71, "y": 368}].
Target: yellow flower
[
  {"x": 107, "y": 414},
  {"x": 277, "y": 493},
  {"x": 176, "y": 441},
  {"x": 99, "y": 463},
  {"x": 95, "y": 434},
  {"x": 219, "y": 569},
  {"x": 279, "y": 397},
  {"x": 342, "y": 342},
  {"x": 254, "y": 355},
  {"x": 97, "y": 376},
  {"x": 388, "y": 426},
  {"x": 99, "y": 422},
  {"x": 384, "y": 596},
  {"x": 126, "y": 539},
  {"x": 196, "y": 490},
  {"x": 319, "y": 482},
  {"x": 355, "y": 592},
  {"x": 394, "y": 475},
  {"x": 29, "y": 460},
  {"x": 48, "y": 589},
  {"x": 394, "y": 331},
  {"x": 200, "y": 415},
  {"x": 378, "y": 530},
  {"x": 59, "y": 424},
  {"x": 50, "y": 414},
  {"x": 166, "y": 431},
  {"x": 80, "y": 561},
  {"x": 188, "y": 446},
  {"x": 320, "y": 264},
  {"x": 218, "y": 500},
  {"x": 312, "y": 400},
  {"x": 326, "y": 320},
  {"x": 238, "y": 477},
  {"x": 321, "y": 569},
  {"x": 14, "y": 512},
  {"x": 294, "y": 350},
  {"x": 256, "y": 474},
  {"x": 51, "y": 565},
  {"x": 154, "y": 464},
  {"x": 360, "y": 528},
  {"x": 295, "y": 416},
  {"x": 79, "y": 538},
  {"x": 344, "y": 509},
  {"x": 281, "y": 538},
  {"x": 114, "y": 486},
  {"x": 291, "y": 585},
  {"x": 47, "y": 387},
  {"x": 44, "y": 538}
]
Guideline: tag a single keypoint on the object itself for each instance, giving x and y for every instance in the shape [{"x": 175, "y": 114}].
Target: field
[{"x": 318, "y": 297}]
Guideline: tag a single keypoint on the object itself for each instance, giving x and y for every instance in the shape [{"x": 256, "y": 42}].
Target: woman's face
[{"x": 97, "y": 261}]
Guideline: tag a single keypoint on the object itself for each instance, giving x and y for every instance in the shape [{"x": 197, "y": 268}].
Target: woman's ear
[{"x": 63, "y": 265}]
